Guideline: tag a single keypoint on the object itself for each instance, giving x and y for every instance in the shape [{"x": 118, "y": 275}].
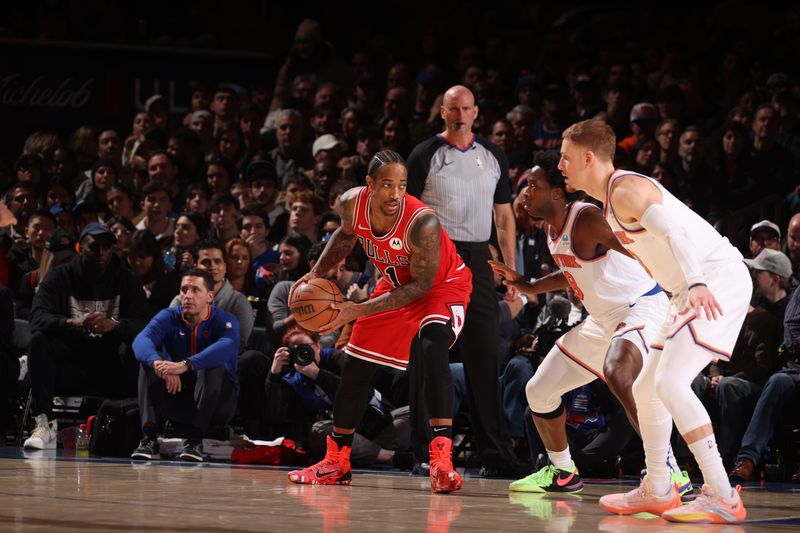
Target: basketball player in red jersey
[{"x": 424, "y": 290}]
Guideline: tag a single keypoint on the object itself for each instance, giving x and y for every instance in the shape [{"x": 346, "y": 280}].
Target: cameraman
[{"x": 299, "y": 395}]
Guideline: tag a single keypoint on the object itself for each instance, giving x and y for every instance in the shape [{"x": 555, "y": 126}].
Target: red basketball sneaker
[
  {"x": 334, "y": 469},
  {"x": 444, "y": 478}
]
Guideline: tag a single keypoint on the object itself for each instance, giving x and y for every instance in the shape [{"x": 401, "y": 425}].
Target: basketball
[{"x": 311, "y": 303}]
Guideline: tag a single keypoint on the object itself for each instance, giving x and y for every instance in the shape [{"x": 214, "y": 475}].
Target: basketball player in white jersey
[
  {"x": 710, "y": 290},
  {"x": 626, "y": 308}
]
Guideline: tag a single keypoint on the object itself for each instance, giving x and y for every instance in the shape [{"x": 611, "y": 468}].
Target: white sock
[
  {"x": 671, "y": 461},
  {"x": 655, "y": 438},
  {"x": 562, "y": 459},
  {"x": 708, "y": 459}
]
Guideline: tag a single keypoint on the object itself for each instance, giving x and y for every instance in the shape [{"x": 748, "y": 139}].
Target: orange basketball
[{"x": 311, "y": 303}]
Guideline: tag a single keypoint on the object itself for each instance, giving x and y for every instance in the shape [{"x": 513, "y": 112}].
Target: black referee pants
[{"x": 477, "y": 349}]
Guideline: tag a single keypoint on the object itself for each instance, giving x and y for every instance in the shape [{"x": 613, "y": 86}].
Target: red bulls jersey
[{"x": 391, "y": 253}]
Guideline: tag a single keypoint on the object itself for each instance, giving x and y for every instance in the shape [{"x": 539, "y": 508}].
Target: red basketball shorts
[{"x": 385, "y": 338}]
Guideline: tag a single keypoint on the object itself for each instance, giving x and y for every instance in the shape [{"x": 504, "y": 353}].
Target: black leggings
[{"x": 355, "y": 388}]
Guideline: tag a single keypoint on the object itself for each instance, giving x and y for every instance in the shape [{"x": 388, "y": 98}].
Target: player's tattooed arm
[
  {"x": 424, "y": 242},
  {"x": 343, "y": 239}
]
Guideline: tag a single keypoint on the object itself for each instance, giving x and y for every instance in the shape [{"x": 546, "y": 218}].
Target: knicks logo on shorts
[{"x": 396, "y": 243}]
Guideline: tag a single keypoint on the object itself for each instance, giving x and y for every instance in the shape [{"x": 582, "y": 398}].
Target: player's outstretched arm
[
  {"x": 341, "y": 242},
  {"x": 424, "y": 243},
  {"x": 511, "y": 278}
]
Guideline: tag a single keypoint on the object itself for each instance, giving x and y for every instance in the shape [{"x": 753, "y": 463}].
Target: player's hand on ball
[
  {"x": 348, "y": 312},
  {"x": 304, "y": 279},
  {"x": 701, "y": 299}
]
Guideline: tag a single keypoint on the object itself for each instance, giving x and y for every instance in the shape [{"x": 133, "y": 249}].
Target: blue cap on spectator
[{"x": 96, "y": 229}]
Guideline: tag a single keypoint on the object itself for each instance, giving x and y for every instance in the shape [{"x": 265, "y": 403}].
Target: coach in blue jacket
[{"x": 188, "y": 357}]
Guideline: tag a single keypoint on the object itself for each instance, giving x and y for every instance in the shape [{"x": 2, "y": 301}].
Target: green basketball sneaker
[
  {"x": 684, "y": 485},
  {"x": 549, "y": 479}
]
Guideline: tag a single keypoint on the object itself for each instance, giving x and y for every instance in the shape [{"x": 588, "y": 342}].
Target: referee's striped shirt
[{"x": 462, "y": 185}]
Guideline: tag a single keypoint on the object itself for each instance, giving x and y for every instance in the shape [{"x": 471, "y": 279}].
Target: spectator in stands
[
  {"x": 503, "y": 136},
  {"x": 735, "y": 185},
  {"x": 104, "y": 174},
  {"x": 304, "y": 216},
  {"x": 617, "y": 98},
  {"x": 83, "y": 320},
  {"x": 25, "y": 256},
  {"x": 209, "y": 255},
  {"x": 59, "y": 192},
  {"x": 158, "y": 108},
  {"x": 229, "y": 144},
  {"x": 21, "y": 201},
  {"x": 521, "y": 118},
  {"x": 65, "y": 165},
  {"x": 771, "y": 271},
  {"x": 201, "y": 122},
  {"x": 787, "y": 104},
  {"x": 692, "y": 184},
  {"x": 220, "y": 174},
  {"x": 644, "y": 119},
  {"x": 224, "y": 106},
  {"x": 291, "y": 155},
  {"x": 667, "y": 137},
  {"x": 764, "y": 234},
  {"x": 142, "y": 121},
  {"x": 644, "y": 156},
  {"x": 188, "y": 357},
  {"x": 197, "y": 200},
  {"x": 146, "y": 261},
  {"x": 254, "y": 229},
  {"x": 773, "y": 167},
  {"x": 185, "y": 147},
  {"x": 122, "y": 228},
  {"x": 780, "y": 395},
  {"x": 793, "y": 247},
  {"x": 161, "y": 167},
  {"x": 190, "y": 228},
  {"x": 58, "y": 250},
  {"x": 121, "y": 201},
  {"x": 157, "y": 205},
  {"x": 224, "y": 212}
]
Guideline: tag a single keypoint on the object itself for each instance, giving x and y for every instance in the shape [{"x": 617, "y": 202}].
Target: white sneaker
[{"x": 44, "y": 436}]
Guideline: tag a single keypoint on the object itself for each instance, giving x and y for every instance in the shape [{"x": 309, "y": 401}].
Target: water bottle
[{"x": 82, "y": 442}]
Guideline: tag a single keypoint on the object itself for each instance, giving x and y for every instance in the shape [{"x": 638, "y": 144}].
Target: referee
[{"x": 464, "y": 177}]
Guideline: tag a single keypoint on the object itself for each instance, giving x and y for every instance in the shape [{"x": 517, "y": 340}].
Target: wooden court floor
[{"x": 49, "y": 492}]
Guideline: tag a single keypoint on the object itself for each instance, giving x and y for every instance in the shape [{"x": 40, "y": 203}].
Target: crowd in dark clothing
[{"x": 259, "y": 168}]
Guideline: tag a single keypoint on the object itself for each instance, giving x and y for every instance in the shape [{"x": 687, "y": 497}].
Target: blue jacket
[{"x": 211, "y": 343}]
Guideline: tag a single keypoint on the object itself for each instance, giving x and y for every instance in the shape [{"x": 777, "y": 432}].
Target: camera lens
[{"x": 301, "y": 354}]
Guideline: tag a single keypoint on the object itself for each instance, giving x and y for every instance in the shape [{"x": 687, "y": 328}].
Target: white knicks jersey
[
  {"x": 711, "y": 249},
  {"x": 603, "y": 283}
]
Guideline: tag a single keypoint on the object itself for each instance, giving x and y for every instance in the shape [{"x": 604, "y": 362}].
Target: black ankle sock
[
  {"x": 342, "y": 439},
  {"x": 442, "y": 431},
  {"x": 150, "y": 430}
]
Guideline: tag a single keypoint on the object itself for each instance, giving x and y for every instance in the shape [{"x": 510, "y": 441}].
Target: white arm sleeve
[{"x": 657, "y": 221}]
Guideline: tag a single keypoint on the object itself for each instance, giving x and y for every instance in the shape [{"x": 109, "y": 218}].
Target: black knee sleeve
[
  {"x": 435, "y": 360},
  {"x": 355, "y": 391},
  {"x": 552, "y": 414}
]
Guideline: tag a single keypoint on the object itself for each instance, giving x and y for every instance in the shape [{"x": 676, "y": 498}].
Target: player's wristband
[
  {"x": 523, "y": 298},
  {"x": 693, "y": 285}
]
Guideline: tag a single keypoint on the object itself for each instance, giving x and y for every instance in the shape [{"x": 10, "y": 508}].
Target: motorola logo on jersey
[
  {"x": 396, "y": 244},
  {"x": 374, "y": 253}
]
